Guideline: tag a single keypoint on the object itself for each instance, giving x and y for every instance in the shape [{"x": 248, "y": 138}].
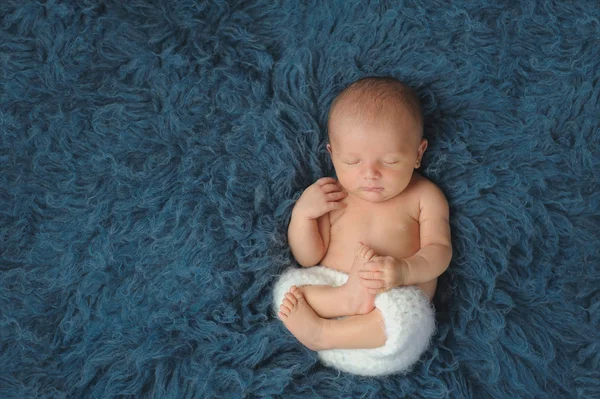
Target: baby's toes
[
  {"x": 284, "y": 314},
  {"x": 376, "y": 258},
  {"x": 293, "y": 289},
  {"x": 365, "y": 252},
  {"x": 286, "y": 302},
  {"x": 296, "y": 293},
  {"x": 283, "y": 310},
  {"x": 368, "y": 254},
  {"x": 292, "y": 299},
  {"x": 359, "y": 249}
]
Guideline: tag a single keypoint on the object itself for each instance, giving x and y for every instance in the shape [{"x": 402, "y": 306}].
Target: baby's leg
[
  {"x": 355, "y": 332},
  {"x": 358, "y": 332},
  {"x": 328, "y": 302},
  {"x": 349, "y": 299}
]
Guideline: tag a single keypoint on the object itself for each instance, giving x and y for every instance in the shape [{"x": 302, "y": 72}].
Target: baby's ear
[
  {"x": 423, "y": 147},
  {"x": 420, "y": 152},
  {"x": 328, "y": 148}
]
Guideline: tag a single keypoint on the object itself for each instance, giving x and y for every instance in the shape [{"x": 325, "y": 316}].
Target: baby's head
[{"x": 376, "y": 139}]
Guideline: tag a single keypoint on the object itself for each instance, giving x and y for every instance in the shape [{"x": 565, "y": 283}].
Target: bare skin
[
  {"x": 350, "y": 299},
  {"x": 302, "y": 321},
  {"x": 390, "y": 228},
  {"x": 308, "y": 325},
  {"x": 358, "y": 298},
  {"x": 317, "y": 334},
  {"x": 378, "y": 199}
]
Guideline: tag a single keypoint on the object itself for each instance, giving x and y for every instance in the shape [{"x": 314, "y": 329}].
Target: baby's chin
[{"x": 374, "y": 196}]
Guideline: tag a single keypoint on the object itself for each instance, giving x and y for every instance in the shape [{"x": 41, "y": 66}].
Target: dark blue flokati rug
[{"x": 150, "y": 154}]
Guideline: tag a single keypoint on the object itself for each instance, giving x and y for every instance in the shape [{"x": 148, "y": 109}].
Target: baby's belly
[
  {"x": 340, "y": 256},
  {"x": 341, "y": 251}
]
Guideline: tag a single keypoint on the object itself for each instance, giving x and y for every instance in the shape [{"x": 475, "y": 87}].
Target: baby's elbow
[
  {"x": 307, "y": 264},
  {"x": 448, "y": 257},
  {"x": 310, "y": 261}
]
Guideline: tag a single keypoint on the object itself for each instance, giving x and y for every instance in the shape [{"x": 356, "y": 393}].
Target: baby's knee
[
  {"x": 380, "y": 322},
  {"x": 301, "y": 288}
]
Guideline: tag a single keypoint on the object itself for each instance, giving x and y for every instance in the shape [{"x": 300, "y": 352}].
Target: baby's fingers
[
  {"x": 375, "y": 284},
  {"x": 326, "y": 181},
  {"x": 335, "y": 196},
  {"x": 372, "y": 266},
  {"x": 331, "y": 187},
  {"x": 335, "y": 205},
  {"x": 369, "y": 275}
]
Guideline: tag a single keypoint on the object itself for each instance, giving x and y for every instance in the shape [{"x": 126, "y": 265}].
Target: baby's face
[{"x": 375, "y": 160}]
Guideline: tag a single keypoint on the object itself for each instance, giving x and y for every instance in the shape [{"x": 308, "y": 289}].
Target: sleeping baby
[{"x": 379, "y": 233}]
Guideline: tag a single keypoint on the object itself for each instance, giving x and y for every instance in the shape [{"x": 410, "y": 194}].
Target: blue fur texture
[{"x": 151, "y": 153}]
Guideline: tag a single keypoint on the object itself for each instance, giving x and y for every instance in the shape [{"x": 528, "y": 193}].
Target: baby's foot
[
  {"x": 359, "y": 299},
  {"x": 302, "y": 321}
]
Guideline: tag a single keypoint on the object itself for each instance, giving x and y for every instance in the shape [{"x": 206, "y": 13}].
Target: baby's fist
[
  {"x": 383, "y": 273},
  {"x": 320, "y": 198}
]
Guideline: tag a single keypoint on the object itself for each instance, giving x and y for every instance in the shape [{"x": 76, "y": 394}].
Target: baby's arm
[
  {"x": 308, "y": 233},
  {"x": 308, "y": 238},
  {"x": 436, "y": 250}
]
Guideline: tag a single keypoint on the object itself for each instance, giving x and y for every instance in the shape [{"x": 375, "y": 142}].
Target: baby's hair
[{"x": 370, "y": 96}]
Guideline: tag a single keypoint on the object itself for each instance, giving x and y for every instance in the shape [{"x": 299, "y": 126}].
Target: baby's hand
[
  {"x": 382, "y": 273},
  {"x": 321, "y": 197}
]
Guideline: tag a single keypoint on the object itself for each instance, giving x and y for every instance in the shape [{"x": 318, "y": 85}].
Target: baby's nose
[{"x": 372, "y": 172}]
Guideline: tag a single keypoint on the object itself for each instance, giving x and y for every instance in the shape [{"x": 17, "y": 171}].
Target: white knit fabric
[{"x": 408, "y": 315}]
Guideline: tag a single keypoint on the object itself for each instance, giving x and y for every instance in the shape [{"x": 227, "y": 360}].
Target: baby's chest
[{"x": 388, "y": 233}]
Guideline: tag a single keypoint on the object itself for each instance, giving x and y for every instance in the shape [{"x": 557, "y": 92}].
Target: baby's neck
[{"x": 367, "y": 204}]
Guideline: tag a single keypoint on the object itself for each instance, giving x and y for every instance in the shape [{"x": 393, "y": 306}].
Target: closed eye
[
  {"x": 391, "y": 163},
  {"x": 352, "y": 163}
]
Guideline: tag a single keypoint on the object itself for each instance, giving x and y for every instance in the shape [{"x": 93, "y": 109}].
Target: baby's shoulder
[
  {"x": 426, "y": 190},
  {"x": 419, "y": 183}
]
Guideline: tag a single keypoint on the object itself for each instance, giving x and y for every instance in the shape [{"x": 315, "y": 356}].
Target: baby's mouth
[{"x": 372, "y": 189}]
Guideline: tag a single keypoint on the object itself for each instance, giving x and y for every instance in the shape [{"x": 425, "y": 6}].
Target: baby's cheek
[{"x": 345, "y": 180}]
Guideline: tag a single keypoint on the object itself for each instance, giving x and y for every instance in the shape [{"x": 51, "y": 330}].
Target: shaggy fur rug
[{"x": 151, "y": 153}]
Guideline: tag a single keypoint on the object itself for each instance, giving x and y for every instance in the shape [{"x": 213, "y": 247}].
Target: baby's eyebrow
[
  {"x": 387, "y": 154},
  {"x": 392, "y": 154}
]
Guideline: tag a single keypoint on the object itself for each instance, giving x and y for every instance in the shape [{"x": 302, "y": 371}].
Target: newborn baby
[{"x": 381, "y": 223}]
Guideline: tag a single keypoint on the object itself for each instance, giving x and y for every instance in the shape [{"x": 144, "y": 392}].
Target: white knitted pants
[{"x": 407, "y": 313}]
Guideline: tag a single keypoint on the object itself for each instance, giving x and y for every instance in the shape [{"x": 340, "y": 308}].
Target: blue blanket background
[{"x": 151, "y": 153}]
